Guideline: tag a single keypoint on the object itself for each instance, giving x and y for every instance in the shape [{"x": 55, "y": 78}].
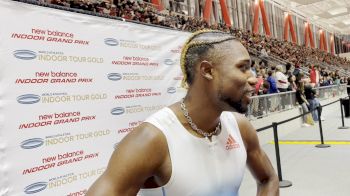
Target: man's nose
[{"x": 252, "y": 80}]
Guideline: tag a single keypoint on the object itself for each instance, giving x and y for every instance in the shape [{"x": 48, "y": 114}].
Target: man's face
[{"x": 234, "y": 82}]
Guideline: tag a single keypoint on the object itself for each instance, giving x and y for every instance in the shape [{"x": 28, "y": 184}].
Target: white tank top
[{"x": 201, "y": 167}]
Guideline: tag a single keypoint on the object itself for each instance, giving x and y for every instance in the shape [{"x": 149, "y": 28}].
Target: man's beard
[{"x": 236, "y": 105}]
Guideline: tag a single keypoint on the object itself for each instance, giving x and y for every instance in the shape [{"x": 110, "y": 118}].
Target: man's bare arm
[
  {"x": 257, "y": 161},
  {"x": 138, "y": 156}
]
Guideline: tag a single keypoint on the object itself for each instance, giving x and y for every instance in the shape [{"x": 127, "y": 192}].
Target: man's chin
[
  {"x": 240, "y": 108},
  {"x": 235, "y": 106}
]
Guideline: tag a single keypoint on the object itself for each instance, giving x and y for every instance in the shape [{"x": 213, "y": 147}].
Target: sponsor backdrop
[{"x": 72, "y": 86}]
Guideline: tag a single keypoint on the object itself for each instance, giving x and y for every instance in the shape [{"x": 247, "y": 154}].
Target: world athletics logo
[
  {"x": 32, "y": 143},
  {"x": 24, "y": 54},
  {"x": 171, "y": 90},
  {"x": 28, "y": 99},
  {"x": 118, "y": 111},
  {"x": 114, "y": 76},
  {"x": 169, "y": 62},
  {"x": 35, "y": 187},
  {"x": 111, "y": 42}
]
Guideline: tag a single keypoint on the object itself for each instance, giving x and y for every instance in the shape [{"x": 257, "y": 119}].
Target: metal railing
[{"x": 265, "y": 105}]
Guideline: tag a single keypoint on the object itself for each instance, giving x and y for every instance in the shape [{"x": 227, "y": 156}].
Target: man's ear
[{"x": 206, "y": 70}]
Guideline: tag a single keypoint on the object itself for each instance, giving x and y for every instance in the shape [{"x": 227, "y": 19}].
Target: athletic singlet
[{"x": 201, "y": 167}]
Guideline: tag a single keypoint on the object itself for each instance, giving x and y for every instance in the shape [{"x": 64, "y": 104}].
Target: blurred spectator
[
  {"x": 282, "y": 80},
  {"x": 292, "y": 85},
  {"x": 259, "y": 84},
  {"x": 266, "y": 87},
  {"x": 288, "y": 69},
  {"x": 337, "y": 80},
  {"x": 272, "y": 82},
  {"x": 282, "y": 85},
  {"x": 264, "y": 56},
  {"x": 297, "y": 70},
  {"x": 252, "y": 68},
  {"x": 273, "y": 101},
  {"x": 310, "y": 95},
  {"x": 301, "y": 99},
  {"x": 312, "y": 73}
]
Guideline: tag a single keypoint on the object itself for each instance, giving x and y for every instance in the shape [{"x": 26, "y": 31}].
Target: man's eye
[{"x": 244, "y": 68}]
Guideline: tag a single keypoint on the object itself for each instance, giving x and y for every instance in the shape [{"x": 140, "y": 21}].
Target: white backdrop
[{"x": 71, "y": 87}]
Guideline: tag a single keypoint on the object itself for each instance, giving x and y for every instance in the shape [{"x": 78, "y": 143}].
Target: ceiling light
[
  {"x": 347, "y": 21},
  {"x": 338, "y": 11},
  {"x": 293, "y": 4}
]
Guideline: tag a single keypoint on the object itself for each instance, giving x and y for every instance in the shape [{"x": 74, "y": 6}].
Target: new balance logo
[{"x": 231, "y": 143}]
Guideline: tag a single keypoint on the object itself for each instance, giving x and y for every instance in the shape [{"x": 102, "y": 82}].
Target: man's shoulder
[
  {"x": 242, "y": 121},
  {"x": 144, "y": 137},
  {"x": 245, "y": 127},
  {"x": 145, "y": 140},
  {"x": 167, "y": 111},
  {"x": 148, "y": 131}
]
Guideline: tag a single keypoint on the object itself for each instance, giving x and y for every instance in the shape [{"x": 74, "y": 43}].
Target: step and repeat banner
[{"x": 71, "y": 87}]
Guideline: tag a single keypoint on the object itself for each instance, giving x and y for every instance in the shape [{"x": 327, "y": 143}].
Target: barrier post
[
  {"x": 342, "y": 115},
  {"x": 266, "y": 108},
  {"x": 290, "y": 100},
  {"x": 322, "y": 145},
  {"x": 282, "y": 183},
  {"x": 349, "y": 101}
]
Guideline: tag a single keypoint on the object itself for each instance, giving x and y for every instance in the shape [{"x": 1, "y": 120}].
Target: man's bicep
[
  {"x": 105, "y": 185},
  {"x": 136, "y": 158},
  {"x": 257, "y": 161},
  {"x": 259, "y": 164},
  {"x": 118, "y": 179}
]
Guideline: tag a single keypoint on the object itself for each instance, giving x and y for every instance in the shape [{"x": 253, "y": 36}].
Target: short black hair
[{"x": 198, "y": 47}]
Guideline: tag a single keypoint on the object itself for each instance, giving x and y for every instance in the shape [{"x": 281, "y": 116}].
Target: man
[
  {"x": 253, "y": 68},
  {"x": 194, "y": 147},
  {"x": 264, "y": 56},
  {"x": 288, "y": 69},
  {"x": 312, "y": 72},
  {"x": 317, "y": 70},
  {"x": 282, "y": 80},
  {"x": 297, "y": 71},
  {"x": 282, "y": 85},
  {"x": 310, "y": 95}
]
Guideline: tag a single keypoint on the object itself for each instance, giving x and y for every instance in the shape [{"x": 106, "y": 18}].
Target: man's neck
[{"x": 204, "y": 113}]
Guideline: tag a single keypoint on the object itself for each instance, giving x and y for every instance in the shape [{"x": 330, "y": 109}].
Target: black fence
[{"x": 344, "y": 104}]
